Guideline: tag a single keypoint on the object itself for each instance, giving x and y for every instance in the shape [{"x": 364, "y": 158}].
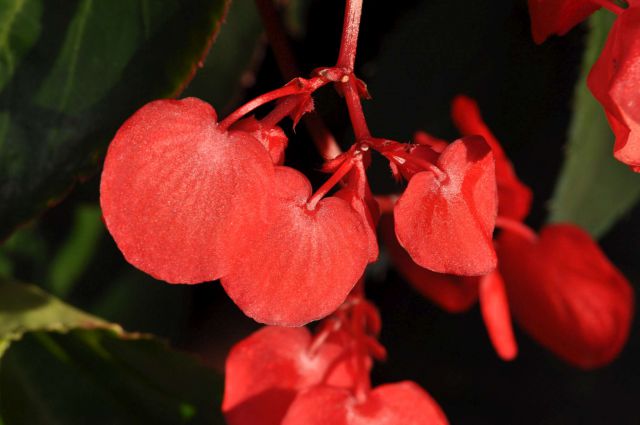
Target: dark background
[{"x": 415, "y": 56}]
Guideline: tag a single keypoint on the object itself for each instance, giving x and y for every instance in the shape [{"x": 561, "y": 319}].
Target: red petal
[
  {"x": 305, "y": 264},
  {"x": 452, "y": 293},
  {"x": 446, "y": 226},
  {"x": 180, "y": 196},
  {"x": 358, "y": 194},
  {"x": 514, "y": 198},
  {"x": 566, "y": 294},
  {"x": 265, "y": 371},
  {"x": 495, "y": 312},
  {"x": 272, "y": 138},
  {"x": 402, "y": 403},
  {"x": 615, "y": 81},
  {"x": 557, "y": 16}
]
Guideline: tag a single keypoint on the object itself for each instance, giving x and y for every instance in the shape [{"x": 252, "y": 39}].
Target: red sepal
[
  {"x": 454, "y": 294},
  {"x": 615, "y": 81},
  {"x": 391, "y": 404},
  {"x": 445, "y": 221},
  {"x": 495, "y": 313},
  {"x": 305, "y": 263},
  {"x": 514, "y": 198},
  {"x": 566, "y": 294},
  {"x": 265, "y": 372},
  {"x": 179, "y": 195},
  {"x": 557, "y": 16},
  {"x": 272, "y": 138}
]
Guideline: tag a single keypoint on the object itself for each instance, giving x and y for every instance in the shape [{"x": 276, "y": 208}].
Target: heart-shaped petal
[
  {"x": 557, "y": 16},
  {"x": 615, "y": 81},
  {"x": 452, "y": 293},
  {"x": 265, "y": 372},
  {"x": 402, "y": 403},
  {"x": 566, "y": 294},
  {"x": 179, "y": 195},
  {"x": 306, "y": 263},
  {"x": 445, "y": 220},
  {"x": 514, "y": 198}
]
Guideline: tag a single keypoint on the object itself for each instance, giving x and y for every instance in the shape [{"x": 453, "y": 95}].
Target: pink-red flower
[
  {"x": 615, "y": 81},
  {"x": 559, "y": 285}
]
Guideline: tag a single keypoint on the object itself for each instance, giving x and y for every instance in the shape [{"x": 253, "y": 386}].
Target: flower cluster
[
  {"x": 559, "y": 285},
  {"x": 286, "y": 376},
  {"x": 615, "y": 77}
]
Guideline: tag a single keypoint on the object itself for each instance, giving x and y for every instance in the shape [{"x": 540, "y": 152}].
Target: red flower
[
  {"x": 445, "y": 217},
  {"x": 557, "y": 16},
  {"x": 391, "y": 404},
  {"x": 566, "y": 294},
  {"x": 514, "y": 198},
  {"x": 179, "y": 195},
  {"x": 615, "y": 81},
  {"x": 302, "y": 266}
]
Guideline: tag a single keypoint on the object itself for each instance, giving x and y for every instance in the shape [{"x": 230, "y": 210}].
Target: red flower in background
[
  {"x": 560, "y": 286},
  {"x": 286, "y": 376},
  {"x": 615, "y": 81},
  {"x": 558, "y": 16}
]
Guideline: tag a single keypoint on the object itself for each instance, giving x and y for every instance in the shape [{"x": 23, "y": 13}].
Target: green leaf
[
  {"x": 593, "y": 190},
  {"x": 63, "y": 366},
  {"x": 71, "y": 71}
]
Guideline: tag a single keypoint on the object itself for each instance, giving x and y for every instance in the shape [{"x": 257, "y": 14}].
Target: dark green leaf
[
  {"x": 594, "y": 190},
  {"x": 63, "y": 366},
  {"x": 72, "y": 71}
]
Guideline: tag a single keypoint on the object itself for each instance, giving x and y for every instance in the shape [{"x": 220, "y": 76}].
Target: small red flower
[
  {"x": 391, "y": 404},
  {"x": 557, "y": 16},
  {"x": 615, "y": 81},
  {"x": 446, "y": 215},
  {"x": 272, "y": 137},
  {"x": 179, "y": 195},
  {"x": 302, "y": 266},
  {"x": 265, "y": 372},
  {"x": 566, "y": 294}
]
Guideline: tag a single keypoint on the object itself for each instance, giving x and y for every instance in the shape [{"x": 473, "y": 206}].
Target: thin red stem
[
  {"x": 358, "y": 120},
  {"x": 298, "y": 86},
  {"x": 282, "y": 109},
  {"x": 350, "y": 29},
  {"x": 342, "y": 171},
  {"x": 516, "y": 227}
]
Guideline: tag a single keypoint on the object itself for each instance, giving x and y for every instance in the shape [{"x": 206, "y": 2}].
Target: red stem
[
  {"x": 342, "y": 171},
  {"x": 299, "y": 86},
  {"x": 350, "y": 28},
  {"x": 356, "y": 114}
]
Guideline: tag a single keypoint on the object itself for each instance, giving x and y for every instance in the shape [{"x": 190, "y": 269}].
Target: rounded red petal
[
  {"x": 178, "y": 195},
  {"x": 391, "y": 404},
  {"x": 452, "y": 293},
  {"x": 446, "y": 225},
  {"x": 615, "y": 81},
  {"x": 514, "y": 197},
  {"x": 303, "y": 267},
  {"x": 557, "y": 16},
  {"x": 265, "y": 371},
  {"x": 566, "y": 294}
]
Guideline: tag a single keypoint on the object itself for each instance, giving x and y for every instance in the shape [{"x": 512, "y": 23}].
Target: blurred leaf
[
  {"x": 76, "y": 253},
  {"x": 72, "y": 72},
  {"x": 594, "y": 190},
  {"x": 229, "y": 65},
  {"x": 67, "y": 367}
]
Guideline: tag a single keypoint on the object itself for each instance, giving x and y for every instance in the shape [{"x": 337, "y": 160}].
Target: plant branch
[{"x": 350, "y": 29}]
